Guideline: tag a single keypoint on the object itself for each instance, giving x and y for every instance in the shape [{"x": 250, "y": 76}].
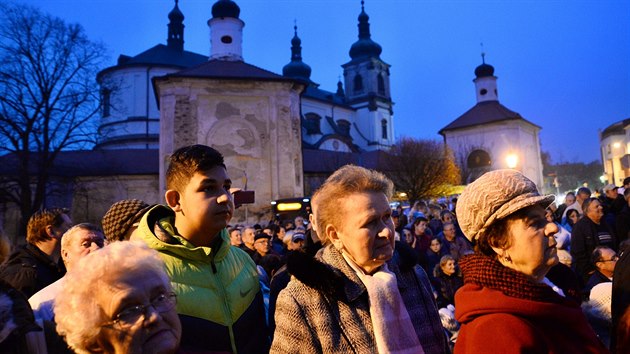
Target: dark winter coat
[
  {"x": 447, "y": 286},
  {"x": 29, "y": 270}
]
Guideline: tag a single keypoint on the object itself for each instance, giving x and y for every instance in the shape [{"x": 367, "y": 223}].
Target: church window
[
  {"x": 106, "y": 102},
  {"x": 381, "y": 84},
  {"x": 478, "y": 159},
  {"x": 312, "y": 123},
  {"x": 344, "y": 127},
  {"x": 226, "y": 39},
  {"x": 483, "y": 92},
  {"x": 358, "y": 84},
  {"x": 384, "y": 129}
]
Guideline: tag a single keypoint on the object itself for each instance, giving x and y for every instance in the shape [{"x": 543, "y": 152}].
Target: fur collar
[{"x": 329, "y": 273}]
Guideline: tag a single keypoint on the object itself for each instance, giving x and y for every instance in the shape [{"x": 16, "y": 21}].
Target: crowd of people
[{"x": 499, "y": 269}]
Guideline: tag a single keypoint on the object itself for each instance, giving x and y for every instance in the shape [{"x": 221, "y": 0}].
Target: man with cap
[
  {"x": 262, "y": 245},
  {"x": 122, "y": 219},
  {"x": 297, "y": 241}
]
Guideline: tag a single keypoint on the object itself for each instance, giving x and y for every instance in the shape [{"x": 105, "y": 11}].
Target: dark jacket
[
  {"x": 29, "y": 270},
  {"x": 620, "y": 300},
  {"x": 447, "y": 286},
  {"x": 584, "y": 239},
  {"x": 325, "y": 308},
  {"x": 622, "y": 224}
]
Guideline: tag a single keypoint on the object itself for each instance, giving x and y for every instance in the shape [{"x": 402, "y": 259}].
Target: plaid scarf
[{"x": 490, "y": 273}]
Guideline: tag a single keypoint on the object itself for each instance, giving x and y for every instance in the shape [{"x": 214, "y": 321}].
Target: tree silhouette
[
  {"x": 421, "y": 168},
  {"x": 48, "y": 98}
]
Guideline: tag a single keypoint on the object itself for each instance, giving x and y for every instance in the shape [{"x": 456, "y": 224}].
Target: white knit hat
[{"x": 600, "y": 297}]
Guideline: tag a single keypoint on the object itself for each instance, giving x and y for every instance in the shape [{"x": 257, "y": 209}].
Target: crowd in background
[{"x": 353, "y": 275}]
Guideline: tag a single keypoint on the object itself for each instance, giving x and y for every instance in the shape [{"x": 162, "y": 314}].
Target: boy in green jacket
[{"x": 219, "y": 300}]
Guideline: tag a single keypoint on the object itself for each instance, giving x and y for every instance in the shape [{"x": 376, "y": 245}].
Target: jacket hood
[{"x": 157, "y": 230}]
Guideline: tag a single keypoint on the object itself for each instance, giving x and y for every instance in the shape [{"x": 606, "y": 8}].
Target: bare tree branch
[
  {"x": 49, "y": 98},
  {"x": 421, "y": 168}
]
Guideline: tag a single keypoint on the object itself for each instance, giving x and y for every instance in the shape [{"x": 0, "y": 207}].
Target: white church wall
[
  {"x": 500, "y": 140},
  {"x": 255, "y": 125}
]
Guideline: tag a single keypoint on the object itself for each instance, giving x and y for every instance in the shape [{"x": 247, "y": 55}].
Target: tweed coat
[{"x": 325, "y": 307}]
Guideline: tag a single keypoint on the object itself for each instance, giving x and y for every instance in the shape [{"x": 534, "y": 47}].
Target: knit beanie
[{"x": 121, "y": 216}]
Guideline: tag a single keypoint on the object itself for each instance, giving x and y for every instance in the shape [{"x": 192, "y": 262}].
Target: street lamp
[{"x": 511, "y": 160}]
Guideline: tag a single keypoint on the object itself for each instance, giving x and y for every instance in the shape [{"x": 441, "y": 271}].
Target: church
[
  {"x": 281, "y": 134},
  {"x": 490, "y": 136}
]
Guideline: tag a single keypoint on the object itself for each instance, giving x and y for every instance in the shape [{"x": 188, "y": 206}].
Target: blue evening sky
[{"x": 563, "y": 65}]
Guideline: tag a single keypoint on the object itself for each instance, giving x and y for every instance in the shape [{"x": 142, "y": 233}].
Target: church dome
[
  {"x": 225, "y": 8},
  {"x": 365, "y": 46},
  {"x": 297, "y": 68},
  {"x": 484, "y": 70},
  {"x": 176, "y": 15}
]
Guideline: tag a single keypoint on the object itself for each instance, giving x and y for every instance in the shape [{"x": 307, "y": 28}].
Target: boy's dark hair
[
  {"x": 36, "y": 227},
  {"x": 187, "y": 160}
]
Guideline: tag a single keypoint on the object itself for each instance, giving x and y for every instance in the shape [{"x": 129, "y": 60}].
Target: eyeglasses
[
  {"x": 130, "y": 315},
  {"x": 613, "y": 259}
]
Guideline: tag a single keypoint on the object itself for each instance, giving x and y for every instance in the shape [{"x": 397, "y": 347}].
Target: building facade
[
  {"x": 490, "y": 136},
  {"x": 614, "y": 143}
]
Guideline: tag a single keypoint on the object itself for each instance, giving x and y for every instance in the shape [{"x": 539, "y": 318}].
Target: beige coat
[{"x": 325, "y": 308}]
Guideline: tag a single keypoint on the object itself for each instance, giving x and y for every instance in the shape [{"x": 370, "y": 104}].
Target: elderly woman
[
  {"x": 351, "y": 299},
  {"x": 506, "y": 304},
  {"x": 119, "y": 300}
]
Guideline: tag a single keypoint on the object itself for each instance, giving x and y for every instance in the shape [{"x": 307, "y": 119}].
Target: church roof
[
  {"x": 228, "y": 69},
  {"x": 159, "y": 55},
  {"x": 93, "y": 163},
  {"x": 484, "y": 113},
  {"x": 316, "y": 93},
  {"x": 616, "y": 128},
  {"x": 324, "y": 161}
]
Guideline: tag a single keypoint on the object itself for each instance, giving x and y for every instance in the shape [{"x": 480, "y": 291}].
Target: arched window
[
  {"x": 358, "y": 84},
  {"x": 312, "y": 123},
  {"x": 384, "y": 128},
  {"x": 380, "y": 83},
  {"x": 344, "y": 127},
  {"x": 478, "y": 159}
]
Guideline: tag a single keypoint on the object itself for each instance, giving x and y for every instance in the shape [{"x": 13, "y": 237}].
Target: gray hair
[{"x": 77, "y": 313}]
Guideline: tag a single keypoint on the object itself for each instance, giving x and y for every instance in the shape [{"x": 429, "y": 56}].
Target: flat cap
[
  {"x": 494, "y": 196},
  {"x": 121, "y": 216}
]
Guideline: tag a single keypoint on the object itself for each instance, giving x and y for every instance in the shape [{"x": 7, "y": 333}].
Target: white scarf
[{"x": 393, "y": 330}]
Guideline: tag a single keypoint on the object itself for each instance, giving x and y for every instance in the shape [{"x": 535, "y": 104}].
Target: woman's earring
[{"x": 506, "y": 257}]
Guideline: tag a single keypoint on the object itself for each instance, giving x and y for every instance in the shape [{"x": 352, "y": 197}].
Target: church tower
[
  {"x": 175, "y": 38},
  {"x": 366, "y": 78},
  {"x": 226, "y": 31},
  {"x": 485, "y": 82},
  {"x": 297, "y": 69}
]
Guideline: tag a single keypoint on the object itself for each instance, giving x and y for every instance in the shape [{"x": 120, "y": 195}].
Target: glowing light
[
  {"x": 511, "y": 160},
  {"x": 289, "y": 206},
  {"x": 617, "y": 145},
  {"x": 603, "y": 178}
]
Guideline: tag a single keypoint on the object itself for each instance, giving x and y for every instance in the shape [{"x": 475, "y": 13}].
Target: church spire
[
  {"x": 365, "y": 46},
  {"x": 175, "y": 38},
  {"x": 297, "y": 68}
]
